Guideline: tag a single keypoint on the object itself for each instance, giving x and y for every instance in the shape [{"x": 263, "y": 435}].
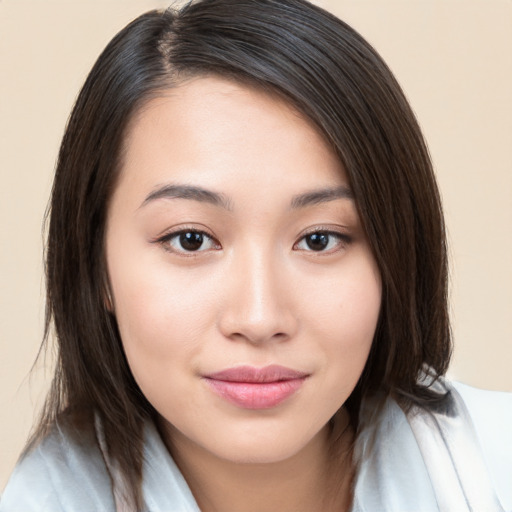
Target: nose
[{"x": 257, "y": 305}]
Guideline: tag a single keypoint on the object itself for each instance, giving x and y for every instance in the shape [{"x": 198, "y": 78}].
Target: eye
[
  {"x": 322, "y": 241},
  {"x": 188, "y": 240}
]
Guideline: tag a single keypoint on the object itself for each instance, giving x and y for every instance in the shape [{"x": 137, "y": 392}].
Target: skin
[{"x": 254, "y": 293}]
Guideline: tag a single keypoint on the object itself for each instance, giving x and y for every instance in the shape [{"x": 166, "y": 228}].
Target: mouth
[{"x": 256, "y": 388}]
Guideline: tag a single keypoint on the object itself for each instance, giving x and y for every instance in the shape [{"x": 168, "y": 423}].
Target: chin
[
  {"x": 262, "y": 446},
  {"x": 271, "y": 453}
]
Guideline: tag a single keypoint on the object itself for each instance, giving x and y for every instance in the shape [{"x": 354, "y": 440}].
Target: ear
[{"x": 107, "y": 298}]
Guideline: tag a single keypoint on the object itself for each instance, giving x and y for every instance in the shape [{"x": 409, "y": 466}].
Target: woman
[{"x": 247, "y": 278}]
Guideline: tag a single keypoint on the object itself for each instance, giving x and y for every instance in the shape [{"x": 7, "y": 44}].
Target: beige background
[{"x": 454, "y": 60}]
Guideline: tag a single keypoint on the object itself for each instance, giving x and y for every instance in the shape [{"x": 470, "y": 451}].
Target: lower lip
[{"x": 255, "y": 395}]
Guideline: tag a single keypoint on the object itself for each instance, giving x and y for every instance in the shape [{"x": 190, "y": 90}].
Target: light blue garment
[
  {"x": 454, "y": 457},
  {"x": 61, "y": 477}
]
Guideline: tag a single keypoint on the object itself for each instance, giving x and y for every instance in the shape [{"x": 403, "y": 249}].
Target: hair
[{"x": 329, "y": 73}]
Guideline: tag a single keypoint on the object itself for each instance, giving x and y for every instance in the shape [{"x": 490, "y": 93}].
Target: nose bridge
[{"x": 257, "y": 306}]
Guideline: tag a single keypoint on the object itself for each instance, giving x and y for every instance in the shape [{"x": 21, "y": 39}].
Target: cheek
[
  {"x": 348, "y": 305},
  {"x": 161, "y": 314},
  {"x": 344, "y": 315},
  {"x": 162, "y": 320}
]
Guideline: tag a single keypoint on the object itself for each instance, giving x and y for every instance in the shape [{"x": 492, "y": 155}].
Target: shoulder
[
  {"x": 489, "y": 410},
  {"x": 491, "y": 414},
  {"x": 63, "y": 472}
]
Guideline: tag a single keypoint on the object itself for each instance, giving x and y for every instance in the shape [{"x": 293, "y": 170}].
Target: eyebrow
[
  {"x": 188, "y": 192},
  {"x": 321, "y": 196},
  {"x": 203, "y": 195}
]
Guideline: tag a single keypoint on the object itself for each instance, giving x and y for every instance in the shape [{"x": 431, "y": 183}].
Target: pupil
[
  {"x": 191, "y": 241},
  {"x": 317, "y": 241}
]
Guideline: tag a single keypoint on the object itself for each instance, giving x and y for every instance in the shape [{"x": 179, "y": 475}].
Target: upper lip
[{"x": 272, "y": 373}]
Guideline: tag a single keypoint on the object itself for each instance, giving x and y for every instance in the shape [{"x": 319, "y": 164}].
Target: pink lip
[{"x": 256, "y": 388}]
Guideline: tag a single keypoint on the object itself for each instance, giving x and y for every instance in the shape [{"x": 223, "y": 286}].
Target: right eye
[{"x": 188, "y": 241}]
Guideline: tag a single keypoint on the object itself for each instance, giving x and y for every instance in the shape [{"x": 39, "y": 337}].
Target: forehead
[{"x": 222, "y": 133}]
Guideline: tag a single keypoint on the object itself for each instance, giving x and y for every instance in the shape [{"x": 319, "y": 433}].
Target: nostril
[{"x": 258, "y": 337}]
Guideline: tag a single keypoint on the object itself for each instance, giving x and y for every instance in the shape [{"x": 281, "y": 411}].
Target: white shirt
[{"x": 399, "y": 470}]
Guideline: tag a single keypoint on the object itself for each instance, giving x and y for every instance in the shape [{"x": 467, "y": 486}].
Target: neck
[{"x": 318, "y": 477}]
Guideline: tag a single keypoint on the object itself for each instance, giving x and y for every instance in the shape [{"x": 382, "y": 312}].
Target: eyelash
[
  {"x": 168, "y": 237},
  {"x": 342, "y": 238}
]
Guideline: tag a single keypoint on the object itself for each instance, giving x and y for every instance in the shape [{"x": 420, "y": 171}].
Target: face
[{"x": 243, "y": 285}]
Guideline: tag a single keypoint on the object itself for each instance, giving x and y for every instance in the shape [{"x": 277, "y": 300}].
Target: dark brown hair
[{"x": 331, "y": 75}]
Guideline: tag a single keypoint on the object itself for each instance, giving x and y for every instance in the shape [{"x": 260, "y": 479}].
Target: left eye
[
  {"x": 189, "y": 241},
  {"x": 320, "y": 241}
]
